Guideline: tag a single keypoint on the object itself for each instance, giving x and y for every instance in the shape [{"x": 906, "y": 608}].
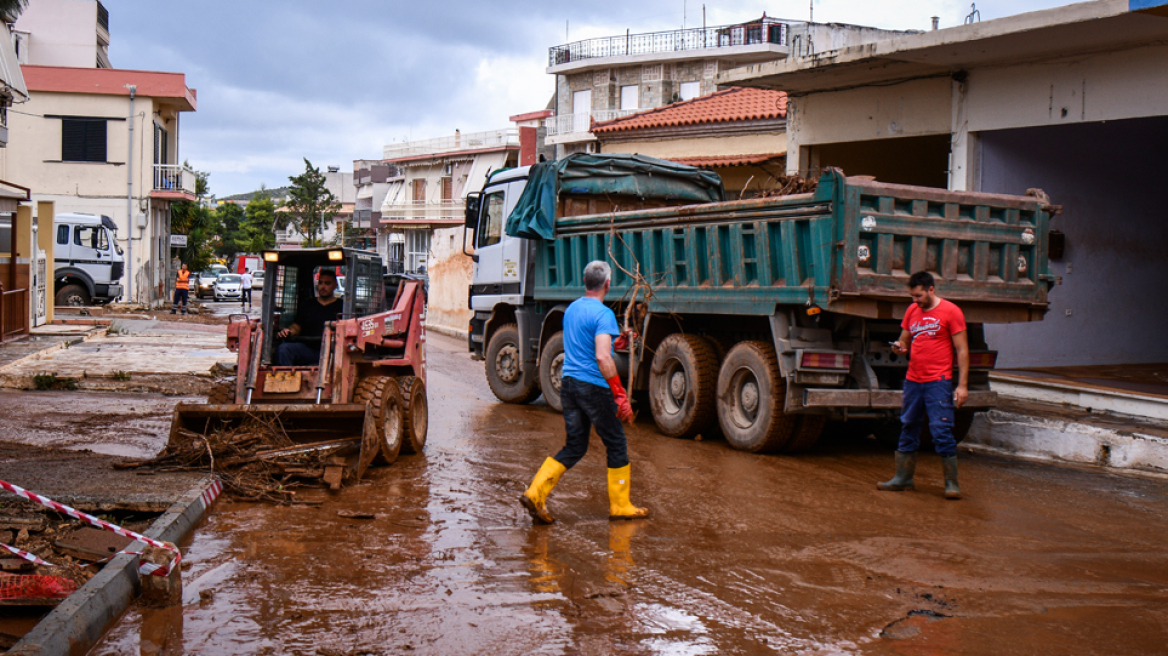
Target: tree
[
  {"x": 261, "y": 221},
  {"x": 312, "y": 205},
  {"x": 10, "y": 9},
  {"x": 233, "y": 235},
  {"x": 198, "y": 223}
]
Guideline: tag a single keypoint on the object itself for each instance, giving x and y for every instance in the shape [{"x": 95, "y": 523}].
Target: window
[
  {"x": 418, "y": 190},
  {"x": 161, "y": 145},
  {"x": 417, "y": 250},
  {"x": 83, "y": 140},
  {"x": 582, "y": 102},
  {"x": 63, "y": 234},
  {"x": 91, "y": 237},
  {"x": 690, "y": 90},
  {"x": 5, "y": 233},
  {"x": 630, "y": 97},
  {"x": 447, "y": 189},
  {"x": 491, "y": 223}
]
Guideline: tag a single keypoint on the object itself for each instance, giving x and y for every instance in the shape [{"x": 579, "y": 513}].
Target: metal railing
[
  {"x": 569, "y": 123},
  {"x": 768, "y": 30},
  {"x": 455, "y": 142},
  {"x": 174, "y": 177},
  {"x": 447, "y": 210},
  {"x": 14, "y": 309}
]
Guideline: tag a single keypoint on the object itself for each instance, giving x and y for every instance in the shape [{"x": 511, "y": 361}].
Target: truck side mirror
[{"x": 473, "y": 205}]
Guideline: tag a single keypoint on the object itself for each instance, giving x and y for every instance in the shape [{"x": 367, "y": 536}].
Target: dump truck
[
  {"x": 759, "y": 319},
  {"x": 366, "y": 396}
]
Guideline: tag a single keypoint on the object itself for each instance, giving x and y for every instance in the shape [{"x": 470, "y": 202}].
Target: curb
[
  {"x": 447, "y": 330},
  {"x": 79, "y": 622}
]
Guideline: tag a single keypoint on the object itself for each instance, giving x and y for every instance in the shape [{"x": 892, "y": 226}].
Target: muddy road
[{"x": 744, "y": 554}]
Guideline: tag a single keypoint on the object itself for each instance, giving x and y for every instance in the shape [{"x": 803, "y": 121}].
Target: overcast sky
[{"x": 335, "y": 81}]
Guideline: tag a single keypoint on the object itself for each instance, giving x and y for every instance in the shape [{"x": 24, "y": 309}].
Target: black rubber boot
[
  {"x": 906, "y": 465},
  {"x": 949, "y": 467}
]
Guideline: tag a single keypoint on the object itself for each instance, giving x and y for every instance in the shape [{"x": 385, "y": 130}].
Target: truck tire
[
  {"x": 806, "y": 433},
  {"x": 73, "y": 295},
  {"x": 505, "y": 372},
  {"x": 222, "y": 393},
  {"x": 551, "y": 371},
  {"x": 683, "y": 382},
  {"x": 417, "y": 413},
  {"x": 750, "y": 398},
  {"x": 383, "y": 395}
]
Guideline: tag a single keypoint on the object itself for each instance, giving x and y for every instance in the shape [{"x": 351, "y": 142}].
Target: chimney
[{"x": 936, "y": 22}]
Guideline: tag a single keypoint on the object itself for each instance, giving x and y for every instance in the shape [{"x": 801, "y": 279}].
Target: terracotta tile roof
[
  {"x": 727, "y": 160},
  {"x": 110, "y": 81},
  {"x": 733, "y": 104}
]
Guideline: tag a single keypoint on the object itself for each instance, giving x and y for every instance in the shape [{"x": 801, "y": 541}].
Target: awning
[
  {"x": 10, "y": 75},
  {"x": 482, "y": 165}
]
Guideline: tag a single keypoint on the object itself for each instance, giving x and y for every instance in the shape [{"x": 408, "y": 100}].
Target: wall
[
  {"x": 62, "y": 32},
  {"x": 450, "y": 276},
  {"x": 1108, "y": 177},
  {"x": 756, "y": 144}
]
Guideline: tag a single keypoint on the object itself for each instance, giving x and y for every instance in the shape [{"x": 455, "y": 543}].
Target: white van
[{"x": 88, "y": 261}]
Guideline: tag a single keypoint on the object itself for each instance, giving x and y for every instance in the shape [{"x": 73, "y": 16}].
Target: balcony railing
[
  {"x": 174, "y": 177},
  {"x": 767, "y": 30},
  {"x": 569, "y": 123},
  {"x": 455, "y": 142},
  {"x": 422, "y": 211}
]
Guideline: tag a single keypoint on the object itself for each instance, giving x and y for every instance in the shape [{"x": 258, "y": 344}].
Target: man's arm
[
  {"x": 604, "y": 356},
  {"x": 961, "y": 344},
  {"x": 624, "y": 411},
  {"x": 903, "y": 342},
  {"x": 290, "y": 331}
]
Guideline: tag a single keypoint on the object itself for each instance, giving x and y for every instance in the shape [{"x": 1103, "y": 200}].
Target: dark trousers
[
  {"x": 295, "y": 354},
  {"x": 932, "y": 402},
  {"x": 181, "y": 296},
  {"x": 587, "y": 406},
  {"x": 245, "y": 297}
]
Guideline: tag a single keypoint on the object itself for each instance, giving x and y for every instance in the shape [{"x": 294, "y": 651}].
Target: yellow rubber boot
[
  {"x": 535, "y": 498},
  {"x": 618, "y": 496}
]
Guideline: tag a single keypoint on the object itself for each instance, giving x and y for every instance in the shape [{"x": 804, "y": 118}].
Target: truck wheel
[
  {"x": 417, "y": 413},
  {"x": 806, "y": 434},
  {"x": 505, "y": 372},
  {"x": 73, "y": 295},
  {"x": 222, "y": 393},
  {"x": 381, "y": 393},
  {"x": 551, "y": 371},
  {"x": 682, "y": 383},
  {"x": 750, "y": 398}
]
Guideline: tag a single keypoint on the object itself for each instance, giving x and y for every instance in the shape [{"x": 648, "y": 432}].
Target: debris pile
[{"x": 255, "y": 459}]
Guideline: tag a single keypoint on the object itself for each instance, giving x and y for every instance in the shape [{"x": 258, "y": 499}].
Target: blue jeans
[
  {"x": 295, "y": 354},
  {"x": 587, "y": 406},
  {"x": 932, "y": 402}
]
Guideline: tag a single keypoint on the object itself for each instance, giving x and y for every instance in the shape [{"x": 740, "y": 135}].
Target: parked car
[
  {"x": 205, "y": 283},
  {"x": 227, "y": 286}
]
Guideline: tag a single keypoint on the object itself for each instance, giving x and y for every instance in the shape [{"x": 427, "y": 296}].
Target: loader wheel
[
  {"x": 751, "y": 393},
  {"x": 72, "y": 295},
  {"x": 222, "y": 393},
  {"x": 505, "y": 372},
  {"x": 381, "y": 393},
  {"x": 551, "y": 371},
  {"x": 682, "y": 385},
  {"x": 417, "y": 413},
  {"x": 806, "y": 433}
]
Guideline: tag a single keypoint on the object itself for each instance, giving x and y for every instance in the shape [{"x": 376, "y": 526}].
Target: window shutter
[
  {"x": 95, "y": 141},
  {"x": 83, "y": 140}
]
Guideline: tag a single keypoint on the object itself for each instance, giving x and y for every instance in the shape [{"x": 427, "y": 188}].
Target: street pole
[{"x": 130, "y": 200}]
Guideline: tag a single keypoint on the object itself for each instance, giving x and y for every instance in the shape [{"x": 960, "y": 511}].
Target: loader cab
[
  {"x": 290, "y": 282},
  {"x": 499, "y": 260}
]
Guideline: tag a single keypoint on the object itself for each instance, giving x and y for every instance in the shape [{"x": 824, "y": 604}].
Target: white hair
[{"x": 596, "y": 274}]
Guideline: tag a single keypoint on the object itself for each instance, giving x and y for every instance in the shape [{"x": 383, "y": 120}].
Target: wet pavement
[{"x": 744, "y": 554}]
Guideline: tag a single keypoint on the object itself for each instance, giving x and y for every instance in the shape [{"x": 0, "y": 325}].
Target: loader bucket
[{"x": 347, "y": 430}]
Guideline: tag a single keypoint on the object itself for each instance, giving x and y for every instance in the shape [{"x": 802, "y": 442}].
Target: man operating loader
[
  {"x": 309, "y": 323},
  {"x": 592, "y": 396}
]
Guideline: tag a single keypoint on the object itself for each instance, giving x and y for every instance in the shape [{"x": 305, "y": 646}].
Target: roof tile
[{"x": 733, "y": 104}]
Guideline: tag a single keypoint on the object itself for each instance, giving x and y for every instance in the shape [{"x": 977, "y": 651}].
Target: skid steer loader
[{"x": 365, "y": 398}]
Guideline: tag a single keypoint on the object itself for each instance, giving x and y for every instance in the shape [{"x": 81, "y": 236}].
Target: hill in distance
[{"x": 274, "y": 192}]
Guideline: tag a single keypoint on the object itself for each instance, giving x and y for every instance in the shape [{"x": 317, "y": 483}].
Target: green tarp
[{"x": 534, "y": 215}]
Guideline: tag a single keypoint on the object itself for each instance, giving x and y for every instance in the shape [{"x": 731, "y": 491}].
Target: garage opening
[{"x": 920, "y": 161}]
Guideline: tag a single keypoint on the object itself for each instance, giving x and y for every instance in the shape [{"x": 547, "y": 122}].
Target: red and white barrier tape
[
  {"x": 149, "y": 569},
  {"x": 25, "y": 555},
  {"x": 210, "y": 494}
]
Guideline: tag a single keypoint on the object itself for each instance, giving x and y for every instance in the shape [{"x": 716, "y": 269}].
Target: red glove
[
  {"x": 624, "y": 411},
  {"x": 622, "y": 342}
]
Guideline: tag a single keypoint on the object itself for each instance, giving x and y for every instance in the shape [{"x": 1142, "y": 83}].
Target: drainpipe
[{"x": 130, "y": 200}]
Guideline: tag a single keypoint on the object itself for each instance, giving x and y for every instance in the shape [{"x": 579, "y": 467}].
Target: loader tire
[
  {"x": 417, "y": 413},
  {"x": 505, "y": 372},
  {"x": 381, "y": 393},
  {"x": 683, "y": 384},
  {"x": 222, "y": 393},
  {"x": 751, "y": 396}
]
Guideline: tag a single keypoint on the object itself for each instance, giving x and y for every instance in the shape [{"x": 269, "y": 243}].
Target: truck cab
[{"x": 88, "y": 263}]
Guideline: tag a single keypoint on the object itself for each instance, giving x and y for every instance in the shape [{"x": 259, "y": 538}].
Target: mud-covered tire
[
  {"x": 551, "y": 370},
  {"x": 750, "y": 397},
  {"x": 382, "y": 394},
  {"x": 683, "y": 383},
  {"x": 505, "y": 374},
  {"x": 807, "y": 433},
  {"x": 417, "y": 413},
  {"x": 72, "y": 295},
  {"x": 222, "y": 393}
]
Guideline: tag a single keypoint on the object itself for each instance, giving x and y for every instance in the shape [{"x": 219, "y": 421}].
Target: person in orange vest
[{"x": 182, "y": 289}]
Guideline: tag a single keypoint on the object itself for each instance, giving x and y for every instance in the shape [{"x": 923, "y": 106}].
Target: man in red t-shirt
[{"x": 932, "y": 330}]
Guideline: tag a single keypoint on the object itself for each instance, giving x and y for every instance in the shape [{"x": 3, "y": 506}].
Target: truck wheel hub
[
  {"x": 677, "y": 385},
  {"x": 507, "y": 363},
  {"x": 749, "y": 397}
]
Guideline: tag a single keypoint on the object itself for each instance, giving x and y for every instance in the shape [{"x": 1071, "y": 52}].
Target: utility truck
[
  {"x": 88, "y": 263},
  {"x": 759, "y": 319}
]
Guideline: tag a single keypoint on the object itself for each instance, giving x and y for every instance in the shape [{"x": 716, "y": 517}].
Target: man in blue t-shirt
[{"x": 592, "y": 396}]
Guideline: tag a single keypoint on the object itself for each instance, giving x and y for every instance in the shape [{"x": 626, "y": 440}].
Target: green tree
[
  {"x": 10, "y": 9},
  {"x": 198, "y": 223},
  {"x": 261, "y": 222},
  {"x": 312, "y": 205},
  {"x": 233, "y": 234}
]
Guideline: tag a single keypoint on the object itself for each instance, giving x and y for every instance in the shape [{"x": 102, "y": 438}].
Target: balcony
[
  {"x": 678, "y": 43},
  {"x": 581, "y": 124},
  {"x": 508, "y": 137},
  {"x": 425, "y": 212},
  {"x": 174, "y": 181}
]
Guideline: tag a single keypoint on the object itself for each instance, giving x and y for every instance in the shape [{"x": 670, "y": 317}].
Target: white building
[{"x": 72, "y": 33}]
